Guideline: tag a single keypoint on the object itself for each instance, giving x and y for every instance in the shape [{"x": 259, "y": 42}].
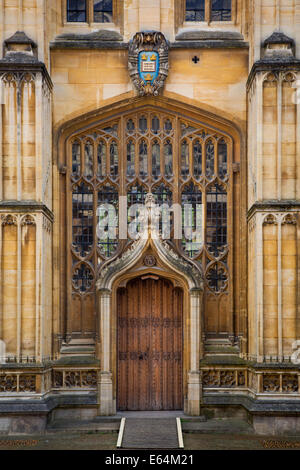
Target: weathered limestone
[{"x": 273, "y": 182}]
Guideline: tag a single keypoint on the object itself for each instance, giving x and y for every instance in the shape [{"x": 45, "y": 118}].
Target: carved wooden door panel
[{"x": 150, "y": 346}]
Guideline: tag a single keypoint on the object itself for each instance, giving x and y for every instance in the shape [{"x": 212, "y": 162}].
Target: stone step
[{"x": 150, "y": 433}]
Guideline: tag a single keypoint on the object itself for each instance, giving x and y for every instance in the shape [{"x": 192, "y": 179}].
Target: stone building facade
[{"x": 89, "y": 326}]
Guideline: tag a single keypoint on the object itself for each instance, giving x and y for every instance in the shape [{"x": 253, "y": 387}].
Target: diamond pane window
[
  {"x": 103, "y": 11},
  {"x": 76, "y": 11}
]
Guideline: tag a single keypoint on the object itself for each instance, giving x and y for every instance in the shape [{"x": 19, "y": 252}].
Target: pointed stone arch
[{"x": 171, "y": 262}]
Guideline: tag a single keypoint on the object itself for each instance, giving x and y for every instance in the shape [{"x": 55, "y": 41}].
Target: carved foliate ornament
[{"x": 148, "y": 62}]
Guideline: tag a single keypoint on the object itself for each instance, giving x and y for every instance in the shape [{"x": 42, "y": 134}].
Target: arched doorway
[
  {"x": 181, "y": 155},
  {"x": 150, "y": 345}
]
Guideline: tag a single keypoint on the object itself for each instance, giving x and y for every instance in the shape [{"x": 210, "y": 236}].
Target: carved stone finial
[{"x": 148, "y": 62}]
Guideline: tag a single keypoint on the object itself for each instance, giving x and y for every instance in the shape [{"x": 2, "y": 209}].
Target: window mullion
[
  {"x": 90, "y": 11},
  {"x": 207, "y": 11}
]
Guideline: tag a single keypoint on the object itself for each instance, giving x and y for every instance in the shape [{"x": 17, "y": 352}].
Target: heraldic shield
[{"x": 148, "y": 62}]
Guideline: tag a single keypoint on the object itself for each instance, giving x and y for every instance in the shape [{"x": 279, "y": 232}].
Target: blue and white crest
[
  {"x": 148, "y": 66},
  {"x": 148, "y": 62}
]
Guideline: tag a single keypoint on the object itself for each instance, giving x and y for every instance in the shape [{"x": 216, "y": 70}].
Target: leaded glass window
[
  {"x": 164, "y": 199},
  {"x": 192, "y": 216},
  {"x": 216, "y": 219},
  {"x": 76, "y": 11},
  {"x": 155, "y": 160},
  {"x": 195, "y": 10},
  {"x": 102, "y": 159},
  {"x": 130, "y": 158},
  {"x": 82, "y": 216},
  {"x": 76, "y": 159},
  {"x": 185, "y": 170},
  {"x": 108, "y": 242},
  {"x": 168, "y": 154},
  {"x": 143, "y": 147},
  {"x": 222, "y": 159},
  {"x": 220, "y": 10},
  {"x": 197, "y": 159},
  {"x": 88, "y": 160},
  {"x": 217, "y": 10},
  {"x": 103, "y": 11},
  {"x": 210, "y": 159},
  {"x": 177, "y": 159},
  {"x": 114, "y": 160},
  {"x": 83, "y": 11}
]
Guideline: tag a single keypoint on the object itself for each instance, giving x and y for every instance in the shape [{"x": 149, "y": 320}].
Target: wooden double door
[{"x": 150, "y": 345}]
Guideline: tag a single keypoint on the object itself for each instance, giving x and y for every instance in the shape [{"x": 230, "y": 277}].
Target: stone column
[
  {"x": 107, "y": 405},
  {"x": 193, "y": 405}
]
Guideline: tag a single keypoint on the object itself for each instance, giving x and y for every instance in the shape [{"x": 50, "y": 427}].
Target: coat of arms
[{"x": 148, "y": 62}]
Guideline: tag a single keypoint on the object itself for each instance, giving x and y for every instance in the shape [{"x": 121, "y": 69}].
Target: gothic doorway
[{"x": 150, "y": 349}]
